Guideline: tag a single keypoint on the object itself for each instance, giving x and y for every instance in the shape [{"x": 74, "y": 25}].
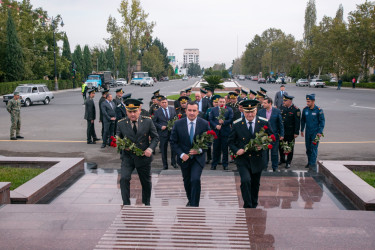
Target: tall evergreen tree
[
  {"x": 102, "y": 61},
  {"x": 14, "y": 63},
  {"x": 110, "y": 59},
  {"x": 122, "y": 64},
  {"x": 78, "y": 59},
  {"x": 310, "y": 22},
  {"x": 66, "y": 53},
  {"x": 87, "y": 59},
  {"x": 340, "y": 13}
]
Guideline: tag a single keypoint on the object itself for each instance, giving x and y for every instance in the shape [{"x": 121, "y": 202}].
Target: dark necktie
[
  {"x": 191, "y": 132},
  {"x": 166, "y": 114},
  {"x": 135, "y": 127},
  {"x": 251, "y": 128}
]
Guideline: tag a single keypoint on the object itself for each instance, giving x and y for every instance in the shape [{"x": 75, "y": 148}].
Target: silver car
[{"x": 31, "y": 93}]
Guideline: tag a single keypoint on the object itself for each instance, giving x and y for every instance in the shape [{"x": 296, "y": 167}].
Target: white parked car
[
  {"x": 241, "y": 77},
  {"x": 121, "y": 82},
  {"x": 302, "y": 82},
  {"x": 185, "y": 78},
  {"x": 147, "y": 81},
  {"x": 31, "y": 93},
  {"x": 333, "y": 79},
  {"x": 317, "y": 83}
]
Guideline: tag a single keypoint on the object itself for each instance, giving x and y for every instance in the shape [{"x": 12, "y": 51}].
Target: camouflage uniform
[{"x": 14, "y": 108}]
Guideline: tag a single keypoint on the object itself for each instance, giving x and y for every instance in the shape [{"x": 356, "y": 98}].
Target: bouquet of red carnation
[
  {"x": 232, "y": 155},
  {"x": 287, "y": 147},
  {"x": 202, "y": 141},
  {"x": 317, "y": 139},
  {"x": 171, "y": 123},
  {"x": 222, "y": 110},
  {"x": 262, "y": 140},
  {"x": 179, "y": 116},
  {"x": 126, "y": 144}
]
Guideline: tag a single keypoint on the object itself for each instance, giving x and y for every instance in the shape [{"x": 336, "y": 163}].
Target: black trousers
[
  {"x": 191, "y": 175},
  {"x": 128, "y": 164},
  {"x": 220, "y": 146},
  {"x": 84, "y": 97},
  {"x": 164, "y": 151},
  {"x": 108, "y": 131},
  {"x": 250, "y": 183},
  {"x": 209, "y": 153},
  {"x": 91, "y": 135},
  {"x": 289, "y": 158}
]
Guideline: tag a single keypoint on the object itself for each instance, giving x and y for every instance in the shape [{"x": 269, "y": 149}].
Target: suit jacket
[
  {"x": 176, "y": 104},
  {"x": 108, "y": 111},
  {"x": 117, "y": 100},
  {"x": 279, "y": 99},
  {"x": 240, "y": 136},
  {"x": 90, "y": 113},
  {"x": 275, "y": 121},
  {"x": 225, "y": 128},
  {"x": 101, "y": 100},
  {"x": 180, "y": 140},
  {"x": 120, "y": 111},
  {"x": 145, "y": 130},
  {"x": 160, "y": 120},
  {"x": 205, "y": 104}
]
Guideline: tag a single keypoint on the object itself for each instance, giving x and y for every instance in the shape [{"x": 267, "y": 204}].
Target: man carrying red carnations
[{"x": 248, "y": 146}]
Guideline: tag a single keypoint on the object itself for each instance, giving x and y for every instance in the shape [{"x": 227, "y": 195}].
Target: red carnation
[
  {"x": 270, "y": 146},
  {"x": 225, "y": 107},
  {"x": 221, "y": 106},
  {"x": 265, "y": 127},
  {"x": 113, "y": 139},
  {"x": 286, "y": 153},
  {"x": 273, "y": 137},
  {"x": 314, "y": 143},
  {"x": 114, "y": 145},
  {"x": 232, "y": 157},
  {"x": 179, "y": 116}
]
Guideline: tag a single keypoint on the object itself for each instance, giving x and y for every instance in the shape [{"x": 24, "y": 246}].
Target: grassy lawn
[
  {"x": 18, "y": 176},
  {"x": 192, "y": 96},
  {"x": 367, "y": 176}
]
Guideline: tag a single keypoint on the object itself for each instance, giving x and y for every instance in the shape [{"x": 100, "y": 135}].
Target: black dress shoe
[
  {"x": 174, "y": 165},
  {"x": 307, "y": 166},
  {"x": 213, "y": 168},
  {"x": 226, "y": 168},
  {"x": 147, "y": 204},
  {"x": 188, "y": 204},
  {"x": 287, "y": 166},
  {"x": 19, "y": 137},
  {"x": 219, "y": 163},
  {"x": 103, "y": 146},
  {"x": 96, "y": 139},
  {"x": 165, "y": 167},
  {"x": 280, "y": 162},
  {"x": 13, "y": 138},
  {"x": 274, "y": 169},
  {"x": 90, "y": 142},
  {"x": 208, "y": 161}
]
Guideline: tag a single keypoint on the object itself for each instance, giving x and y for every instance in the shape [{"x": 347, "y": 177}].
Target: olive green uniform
[{"x": 14, "y": 109}]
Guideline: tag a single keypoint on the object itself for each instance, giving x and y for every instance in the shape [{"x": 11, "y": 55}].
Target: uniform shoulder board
[
  {"x": 262, "y": 118},
  {"x": 123, "y": 119},
  {"x": 119, "y": 105},
  {"x": 238, "y": 120},
  {"x": 145, "y": 117}
]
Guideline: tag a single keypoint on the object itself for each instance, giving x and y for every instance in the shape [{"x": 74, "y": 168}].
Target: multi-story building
[{"x": 191, "y": 56}]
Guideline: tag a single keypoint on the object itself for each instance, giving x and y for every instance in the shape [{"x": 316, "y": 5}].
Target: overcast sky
[{"x": 212, "y": 26}]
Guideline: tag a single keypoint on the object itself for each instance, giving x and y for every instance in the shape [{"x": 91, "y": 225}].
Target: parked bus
[{"x": 138, "y": 77}]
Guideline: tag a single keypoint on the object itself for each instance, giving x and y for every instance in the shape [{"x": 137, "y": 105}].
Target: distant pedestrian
[
  {"x": 90, "y": 116},
  {"x": 353, "y": 82},
  {"x": 280, "y": 96},
  {"x": 339, "y": 84},
  {"x": 84, "y": 91},
  {"x": 14, "y": 109}
]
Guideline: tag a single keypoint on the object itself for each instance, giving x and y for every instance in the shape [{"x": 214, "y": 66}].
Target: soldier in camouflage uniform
[{"x": 14, "y": 109}]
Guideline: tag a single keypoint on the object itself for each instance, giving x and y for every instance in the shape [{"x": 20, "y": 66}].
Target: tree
[
  {"x": 213, "y": 82},
  {"x": 194, "y": 69},
  {"x": 110, "y": 57},
  {"x": 87, "y": 59},
  {"x": 310, "y": 21},
  {"x": 78, "y": 59},
  {"x": 102, "y": 61},
  {"x": 14, "y": 63},
  {"x": 153, "y": 61},
  {"x": 66, "y": 71},
  {"x": 66, "y": 49},
  {"x": 237, "y": 66},
  {"x": 122, "y": 63},
  {"x": 252, "y": 58},
  {"x": 135, "y": 29},
  {"x": 340, "y": 13},
  {"x": 163, "y": 51}
]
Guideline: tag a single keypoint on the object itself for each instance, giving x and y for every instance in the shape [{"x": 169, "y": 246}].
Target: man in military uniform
[
  {"x": 233, "y": 101},
  {"x": 313, "y": 120},
  {"x": 101, "y": 100},
  {"x": 263, "y": 91},
  {"x": 14, "y": 109},
  {"x": 183, "y": 104},
  {"x": 118, "y": 99},
  {"x": 154, "y": 106},
  {"x": 209, "y": 94},
  {"x": 260, "y": 98},
  {"x": 143, "y": 111},
  {"x": 155, "y": 94},
  {"x": 238, "y": 92},
  {"x": 243, "y": 96},
  {"x": 291, "y": 116},
  {"x": 188, "y": 93},
  {"x": 121, "y": 109},
  {"x": 90, "y": 116},
  {"x": 177, "y": 102},
  {"x": 252, "y": 95},
  {"x": 239, "y": 113},
  {"x": 215, "y": 102},
  {"x": 249, "y": 164},
  {"x": 138, "y": 129}
]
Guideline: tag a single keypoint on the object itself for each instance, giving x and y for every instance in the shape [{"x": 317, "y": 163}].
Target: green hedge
[
  {"x": 9, "y": 87},
  {"x": 370, "y": 85}
]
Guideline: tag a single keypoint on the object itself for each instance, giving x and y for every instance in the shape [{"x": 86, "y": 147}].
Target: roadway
[{"x": 59, "y": 130}]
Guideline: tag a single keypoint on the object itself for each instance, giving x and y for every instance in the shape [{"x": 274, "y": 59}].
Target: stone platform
[{"x": 296, "y": 211}]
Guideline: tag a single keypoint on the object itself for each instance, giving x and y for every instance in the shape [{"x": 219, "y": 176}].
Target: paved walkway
[{"x": 296, "y": 211}]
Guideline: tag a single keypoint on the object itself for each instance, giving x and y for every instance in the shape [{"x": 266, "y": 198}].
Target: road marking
[
  {"x": 363, "y": 107},
  {"x": 322, "y": 142}
]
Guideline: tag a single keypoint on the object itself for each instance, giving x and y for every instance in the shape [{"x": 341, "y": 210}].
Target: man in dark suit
[
  {"x": 161, "y": 118},
  {"x": 101, "y": 100},
  {"x": 191, "y": 161},
  {"x": 138, "y": 129},
  {"x": 121, "y": 109},
  {"x": 222, "y": 130},
  {"x": 177, "y": 102},
  {"x": 239, "y": 113},
  {"x": 90, "y": 116},
  {"x": 203, "y": 103},
  {"x": 109, "y": 118},
  {"x": 209, "y": 95},
  {"x": 279, "y": 97},
  {"x": 249, "y": 164},
  {"x": 273, "y": 115}
]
